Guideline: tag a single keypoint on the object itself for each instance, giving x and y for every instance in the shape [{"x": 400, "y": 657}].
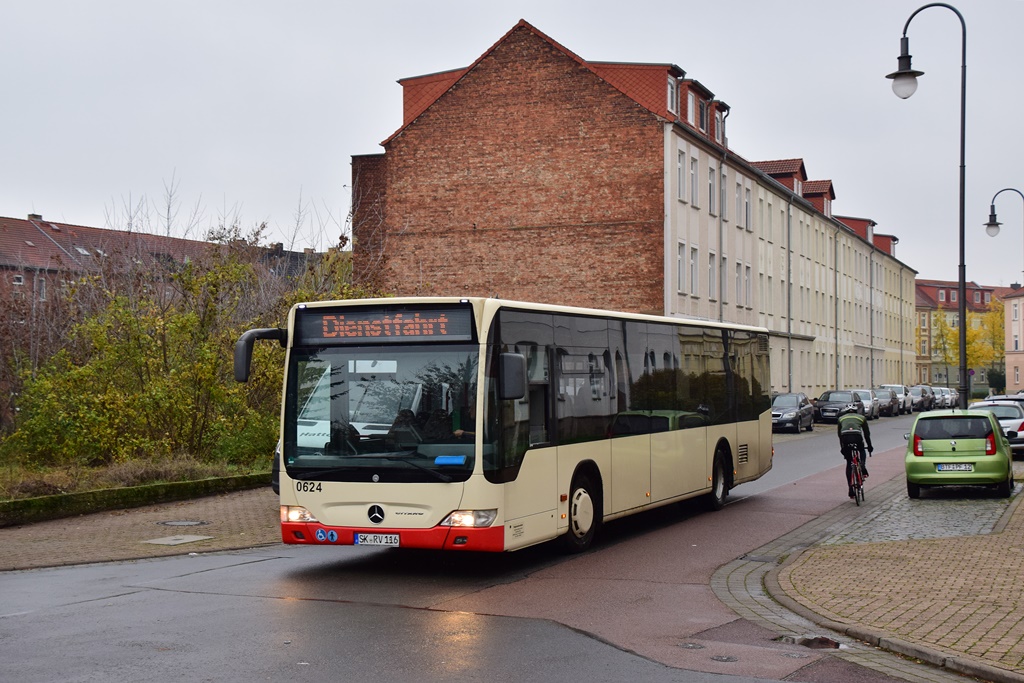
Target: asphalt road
[{"x": 639, "y": 605}]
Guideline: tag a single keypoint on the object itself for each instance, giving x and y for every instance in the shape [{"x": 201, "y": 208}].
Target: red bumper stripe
[{"x": 491, "y": 539}]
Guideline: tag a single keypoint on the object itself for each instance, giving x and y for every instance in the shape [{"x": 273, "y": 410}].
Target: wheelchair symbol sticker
[{"x": 321, "y": 535}]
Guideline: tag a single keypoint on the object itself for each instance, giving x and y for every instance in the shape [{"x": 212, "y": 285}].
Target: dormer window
[
  {"x": 673, "y": 95},
  {"x": 719, "y": 127},
  {"x": 691, "y": 109},
  {"x": 703, "y": 116}
]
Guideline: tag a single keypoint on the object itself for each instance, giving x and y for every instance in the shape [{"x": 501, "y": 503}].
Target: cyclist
[{"x": 854, "y": 431}]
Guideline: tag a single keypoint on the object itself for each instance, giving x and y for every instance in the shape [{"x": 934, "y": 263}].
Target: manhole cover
[
  {"x": 724, "y": 658},
  {"x": 183, "y": 522},
  {"x": 691, "y": 646}
]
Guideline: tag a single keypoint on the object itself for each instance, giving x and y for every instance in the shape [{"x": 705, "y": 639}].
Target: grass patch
[{"x": 19, "y": 481}]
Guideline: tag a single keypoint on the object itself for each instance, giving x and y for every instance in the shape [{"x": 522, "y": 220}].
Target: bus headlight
[
  {"x": 471, "y": 518},
  {"x": 296, "y": 513}
]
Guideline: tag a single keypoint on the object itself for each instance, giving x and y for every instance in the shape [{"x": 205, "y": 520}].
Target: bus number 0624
[{"x": 308, "y": 486}]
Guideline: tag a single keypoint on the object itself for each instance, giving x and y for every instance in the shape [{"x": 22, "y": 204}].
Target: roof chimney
[{"x": 35, "y": 217}]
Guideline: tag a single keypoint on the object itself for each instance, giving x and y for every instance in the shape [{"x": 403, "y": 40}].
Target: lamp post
[
  {"x": 904, "y": 83},
  {"x": 992, "y": 227}
]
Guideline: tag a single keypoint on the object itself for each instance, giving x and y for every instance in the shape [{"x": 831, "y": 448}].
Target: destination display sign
[{"x": 330, "y": 326}]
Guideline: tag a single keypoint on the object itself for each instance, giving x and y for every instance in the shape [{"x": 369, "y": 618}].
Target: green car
[{"x": 958, "y": 448}]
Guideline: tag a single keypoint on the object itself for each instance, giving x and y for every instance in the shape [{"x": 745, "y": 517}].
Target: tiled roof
[
  {"x": 38, "y": 244},
  {"x": 819, "y": 187},
  {"x": 781, "y": 167}
]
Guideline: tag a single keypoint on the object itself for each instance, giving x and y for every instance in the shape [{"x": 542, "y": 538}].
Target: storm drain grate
[{"x": 183, "y": 522}]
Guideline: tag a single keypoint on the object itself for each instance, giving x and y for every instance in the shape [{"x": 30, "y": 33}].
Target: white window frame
[
  {"x": 952, "y": 296},
  {"x": 942, "y": 295},
  {"x": 695, "y": 182},
  {"x": 673, "y": 95},
  {"x": 694, "y": 271},
  {"x": 681, "y": 173},
  {"x": 712, "y": 177},
  {"x": 748, "y": 219},
  {"x": 739, "y": 283},
  {"x": 681, "y": 267},
  {"x": 712, "y": 275},
  {"x": 747, "y": 286},
  {"x": 691, "y": 109}
]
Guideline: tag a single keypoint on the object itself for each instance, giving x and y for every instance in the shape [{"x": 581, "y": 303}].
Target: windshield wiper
[
  {"x": 378, "y": 456},
  {"x": 394, "y": 458}
]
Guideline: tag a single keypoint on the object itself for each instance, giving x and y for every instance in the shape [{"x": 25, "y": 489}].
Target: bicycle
[{"x": 856, "y": 475}]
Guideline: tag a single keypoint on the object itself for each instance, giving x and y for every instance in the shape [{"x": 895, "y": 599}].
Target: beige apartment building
[{"x": 534, "y": 174}]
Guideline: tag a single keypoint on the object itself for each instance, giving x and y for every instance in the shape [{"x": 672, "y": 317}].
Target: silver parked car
[
  {"x": 1011, "y": 418},
  {"x": 870, "y": 401}
]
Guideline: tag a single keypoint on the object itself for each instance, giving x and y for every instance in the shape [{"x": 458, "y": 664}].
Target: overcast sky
[{"x": 251, "y": 109}]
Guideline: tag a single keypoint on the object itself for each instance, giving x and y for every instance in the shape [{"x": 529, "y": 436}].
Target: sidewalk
[{"x": 955, "y": 602}]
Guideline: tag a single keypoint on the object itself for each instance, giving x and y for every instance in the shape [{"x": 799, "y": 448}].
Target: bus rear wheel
[
  {"x": 719, "y": 487},
  {"x": 584, "y": 515}
]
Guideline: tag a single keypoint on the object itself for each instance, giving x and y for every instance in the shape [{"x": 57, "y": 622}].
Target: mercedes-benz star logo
[{"x": 376, "y": 514}]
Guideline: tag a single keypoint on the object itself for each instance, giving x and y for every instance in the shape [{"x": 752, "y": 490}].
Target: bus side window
[{"x": 538, "y": 414}]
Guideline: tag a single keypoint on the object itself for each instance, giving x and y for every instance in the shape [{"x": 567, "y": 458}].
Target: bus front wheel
[{"x": 584, "y": 515}]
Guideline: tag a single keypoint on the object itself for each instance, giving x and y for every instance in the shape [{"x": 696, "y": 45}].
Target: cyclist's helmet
[{"x": 846, "y": 411}]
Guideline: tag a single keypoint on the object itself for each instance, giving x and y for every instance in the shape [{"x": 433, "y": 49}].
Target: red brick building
[{"x": 533, "y": 177}]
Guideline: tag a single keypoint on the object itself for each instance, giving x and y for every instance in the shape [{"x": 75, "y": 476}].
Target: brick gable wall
[{"x": 530, "y": 179}]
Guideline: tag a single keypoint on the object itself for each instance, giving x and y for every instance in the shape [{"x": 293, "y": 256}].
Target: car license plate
[
  {"x": 377, "y": 539},
  {"x": 955, "y": 467}
]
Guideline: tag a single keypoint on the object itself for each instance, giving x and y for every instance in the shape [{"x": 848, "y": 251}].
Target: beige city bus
[{"x": 490, "y": 425}]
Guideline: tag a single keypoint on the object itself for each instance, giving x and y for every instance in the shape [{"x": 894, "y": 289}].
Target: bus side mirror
[
  {"x": 243, "y": 348},
  {"x": 511, "y": 376}
]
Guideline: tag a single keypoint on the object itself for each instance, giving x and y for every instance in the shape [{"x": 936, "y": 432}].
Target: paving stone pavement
[{"x": 936, "y": 579}]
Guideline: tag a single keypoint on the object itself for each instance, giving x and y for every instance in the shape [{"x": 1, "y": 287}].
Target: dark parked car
[
  {"x": 834, "y": 401},
  {"x": 923, "y": 397},
  {"x": 792, "y": 411},
  {"x": 888, "y": 402}
]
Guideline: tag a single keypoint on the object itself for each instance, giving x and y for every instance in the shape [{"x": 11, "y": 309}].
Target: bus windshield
[{"x": 398, "y": 413}]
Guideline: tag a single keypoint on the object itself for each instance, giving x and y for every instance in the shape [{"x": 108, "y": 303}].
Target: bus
[{"x": 481, "y": 424}]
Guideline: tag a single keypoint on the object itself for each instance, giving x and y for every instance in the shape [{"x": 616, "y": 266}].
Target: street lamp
[
  {"x": 992, "y": 227},
  {"x": 904, "y": 83}
]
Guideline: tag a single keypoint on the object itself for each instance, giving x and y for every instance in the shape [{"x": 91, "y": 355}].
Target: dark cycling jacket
[{"x": 854, "y": 422}]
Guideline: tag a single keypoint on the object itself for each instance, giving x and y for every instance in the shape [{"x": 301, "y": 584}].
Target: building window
[
  {"x": 942, "y": 295},
  {"x": 691, "y": 109},
  {"x": 19, "y": 280},
  {"x": 712, "y": 276},
  {"x": 673, "y": 95},
  {"x": 739, "y": 283},
  {"x": 41, "y": 288},
  {"x": 747, "y": 287},
  {"x": 724, "y": 274},
  {"x": 681, "y": 267},
  {"x": 680, "y": 176},
  {"x": 722, "y": 201},
  {"x": 702, "y": 108},
  {"x": 988, "y": 297},
  {"x": 1016, "y": 343},
  {"x": 694, "y": 189},
  {"x": 977, "y": 297},
  {"x": 952, "y": 295},
  {"x": 719, "y": 127},
  {"x": 711, "y": 190},
  {"x": 1015, "y": 311},
  {"x": 747, "y": 207},
  {"x": 694, "y": 272},
  {"x": 1016, "y": 375}
]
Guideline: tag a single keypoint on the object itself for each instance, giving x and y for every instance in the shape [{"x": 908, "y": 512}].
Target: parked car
[
  {"x": 903, "y": 394},
  {"x": 834, "y": 401},
  {"x": 792, "y": 411},
  {"x": 870, "y": 401},
  {"x": 1011, "y": 418},
  {"x": 888, "y": 402},
  {"x": 958, "y": 448},
  {"x": 923, "y": 397},
  {"x": 944, "y": 397}
]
